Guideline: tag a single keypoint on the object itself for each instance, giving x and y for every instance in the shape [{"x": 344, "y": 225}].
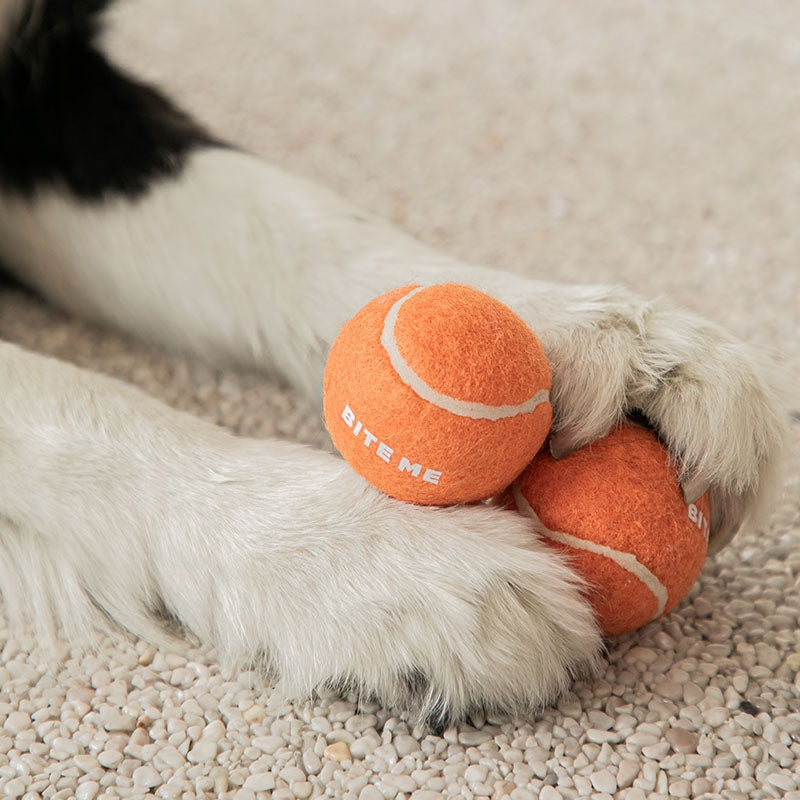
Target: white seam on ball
[
  {"x": 461, "y": 408},
  {"x": 627, "y": 561}
]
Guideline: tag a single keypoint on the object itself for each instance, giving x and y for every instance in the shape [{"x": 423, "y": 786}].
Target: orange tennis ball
[
  {"x": 617, "y": 509},
  {"x": 437, "y": 394}
]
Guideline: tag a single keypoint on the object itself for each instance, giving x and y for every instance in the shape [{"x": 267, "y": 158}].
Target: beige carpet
[{"x": 656, "y": 144}]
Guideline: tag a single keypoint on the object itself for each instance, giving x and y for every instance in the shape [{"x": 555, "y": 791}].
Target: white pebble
[
  {"x": 656, "y": 752},
  {"x": 87, "y": 790},
  {"x": 292, "y": 774},
  {"x": 387, "y": 753},
  {"x": 641, "y": 739},
  {"x": 114, "y": 720},
  {"x": 360, "y": 722},
  {"x": 716, "y": 716},
  {"x": 312, "y": 763},
  {"x": 627, "y": 771},
  {"x": 267, "y": 744},
  {"x": 393, "y": 784},
  {"x": 340, "y": 711},
  {"x": 476, "y": 773},
  {"x": 783, "y": 781},
  {"x": 600, "y": 719},
  {"x": 672, "y": 690},
  {"x": 168, "y": 757},
  {"x": 262, "y": 782},
  {"x": 110, "y": 758},
  {"x": 85, "y": 763},
  {"x": 17, "y": 722},
  {"x": 604, "y": 781},
  {"x": 599, "y": 736},
  {"x": 473, "y": 738},
  {"x": 146, "y": 776},
  {"x": 214, "y": 730},
  {"x": 550, "y": 793},
  {"x": 680, "y": 788},
  {"x": 204, "y": 750},
  {"x": 14, "y": 788},
  {"x": 364, "y": 746},
  {"x": 405, "y": 745}
]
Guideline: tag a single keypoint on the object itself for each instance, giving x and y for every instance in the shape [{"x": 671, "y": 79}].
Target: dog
[{"x": 119, "y": 512}]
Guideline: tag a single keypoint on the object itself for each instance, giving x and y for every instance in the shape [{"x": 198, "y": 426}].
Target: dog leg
[{"x": 116, "y": 507}]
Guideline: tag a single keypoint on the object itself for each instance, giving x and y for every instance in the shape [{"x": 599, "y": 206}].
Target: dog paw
[
  {"x": 435, "y": 611},
  {"x": 718, "y": 404}
]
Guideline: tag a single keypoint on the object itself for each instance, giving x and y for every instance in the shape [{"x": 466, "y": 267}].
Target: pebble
[
  {"x": 338, "y": 751},
  {"x": 146, "y": 776},
  {"x": 682, "y": 741},
  {"x": 114, "y": 720},
  {"x": 87, "y": 790},
  {"x": 656, "y": 752},
  {"x": 110, "y": 758},
  {"x": 599, "y": 736},
  {"x": 627, "y": 771},
  {"x": 267, "y": 744},
  {"x": 604, "y": 781},
  {"x": 85, "y": 763},
  {"x": 391, "y": 784},
  {"x": 170, "y": 757},
  {"x": 262, "y": 782},
  {"x": 14, "y": 788},
  {"x": 672, "y": 690},
  {"x": 782, "y": 780},
  {"x": 204, "y": 750},
  {"x": 716, "y": 716},
  {"x": 405, "y": 745},
  {"x": 473, "y": 738},
  {"x": 312, "y": 763},
  {"x": 17, "y": 722},
  {"x": 214, "y": 730}
]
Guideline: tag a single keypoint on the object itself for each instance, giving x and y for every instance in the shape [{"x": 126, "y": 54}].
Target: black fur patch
[{"x": 69, "y": 117}]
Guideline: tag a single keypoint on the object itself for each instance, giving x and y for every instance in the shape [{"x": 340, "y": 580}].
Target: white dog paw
[
  {"x": 437, "y": 611},
  {"x": 718, "y": 404}
]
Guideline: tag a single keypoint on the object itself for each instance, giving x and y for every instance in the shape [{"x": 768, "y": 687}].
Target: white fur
[{"x": 116, "y": 508}]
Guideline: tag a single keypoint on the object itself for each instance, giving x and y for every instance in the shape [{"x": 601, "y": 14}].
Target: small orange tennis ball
[
  {"x": 437, "y": 394},
  {"x": 617, "y": 509}
]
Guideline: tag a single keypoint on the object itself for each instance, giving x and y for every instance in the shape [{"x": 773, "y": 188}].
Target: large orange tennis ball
[
  {"x": 437, "y": 394},
  {"x": 617, "y": 509}
]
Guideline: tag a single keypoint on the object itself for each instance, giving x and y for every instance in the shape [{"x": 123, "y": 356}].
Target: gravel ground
[{"x": 655, "y": 144}]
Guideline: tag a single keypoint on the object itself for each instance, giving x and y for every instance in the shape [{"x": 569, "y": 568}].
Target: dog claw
[
  {"x": 560, "y": 446},
  {"x": 694, "y": 489}
]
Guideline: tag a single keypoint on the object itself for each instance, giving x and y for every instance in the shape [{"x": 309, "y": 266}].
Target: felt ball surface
[
  {"x": 437, "y": 394},
  {"x": 616, "y": 509}
]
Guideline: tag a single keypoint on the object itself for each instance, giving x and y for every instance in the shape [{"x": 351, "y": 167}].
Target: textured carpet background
[{"x": 649, "y": 143}]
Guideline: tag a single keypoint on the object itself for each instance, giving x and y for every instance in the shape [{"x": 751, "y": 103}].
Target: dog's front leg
[{"x": 116, "y": 506}]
